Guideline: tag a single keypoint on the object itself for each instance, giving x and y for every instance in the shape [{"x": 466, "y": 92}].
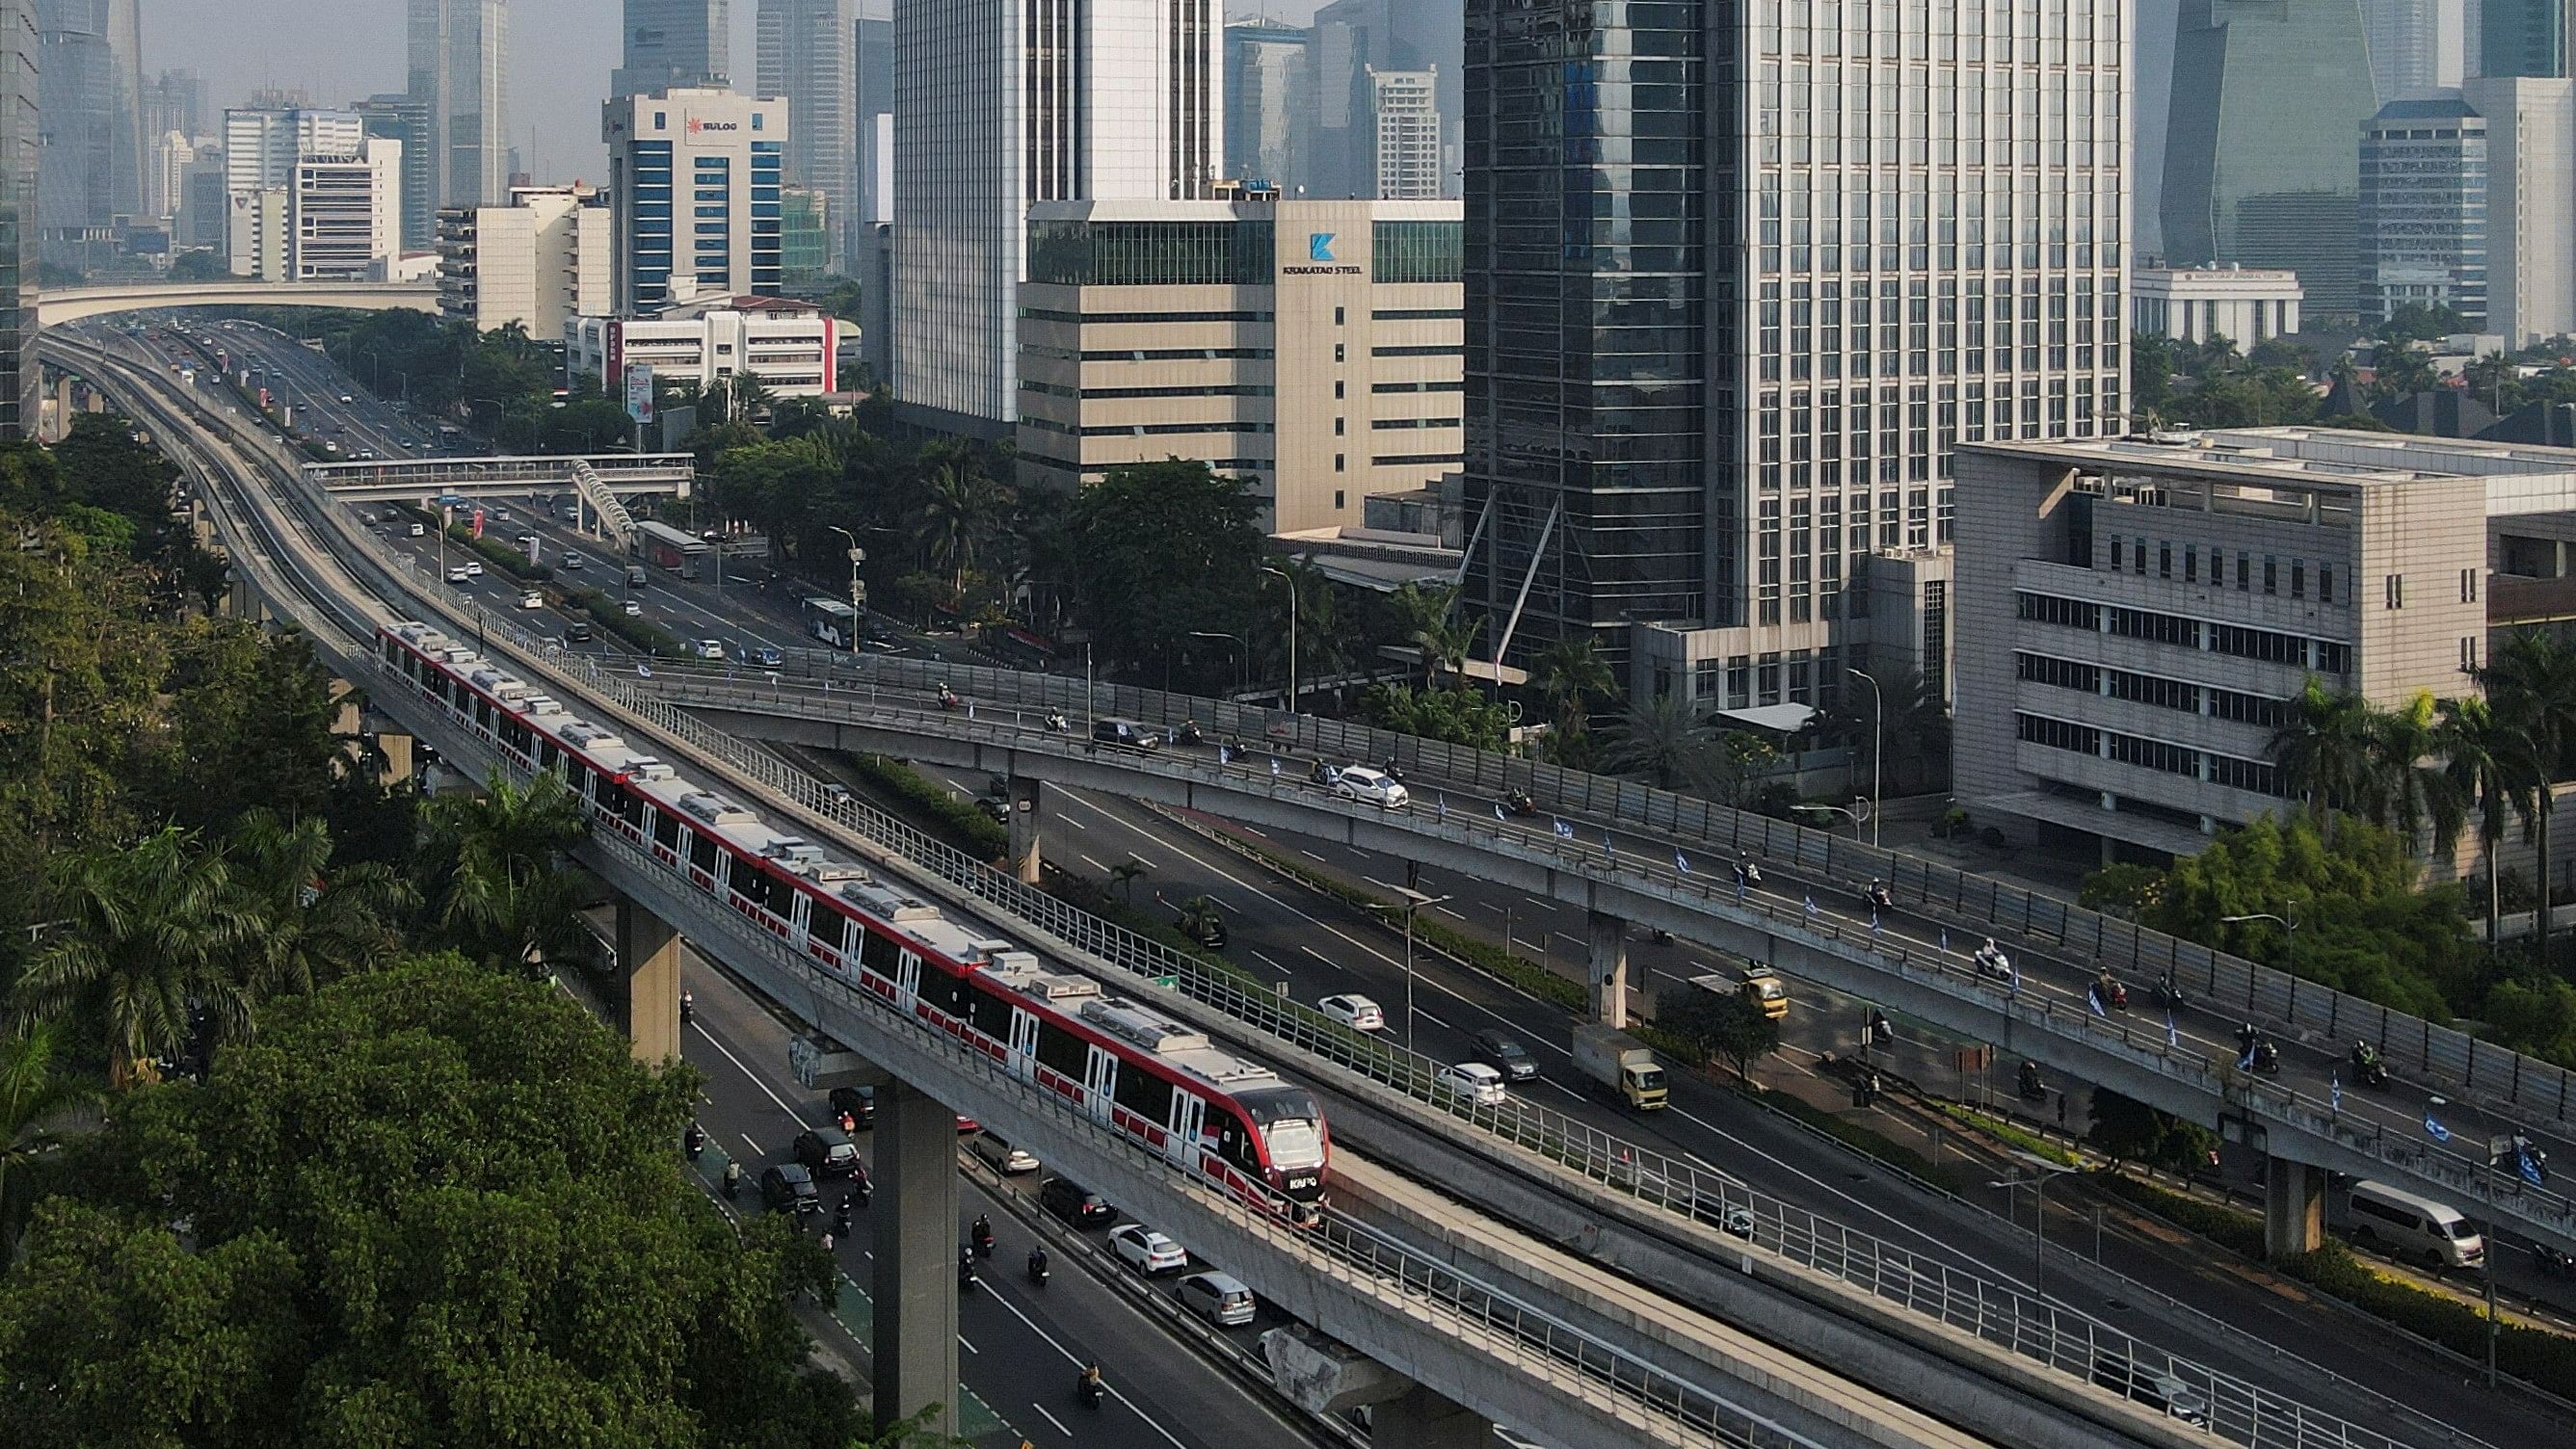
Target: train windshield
[{"x": 1290, "y": 1124}]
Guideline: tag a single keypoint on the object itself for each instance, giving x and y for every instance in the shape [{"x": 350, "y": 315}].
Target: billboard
[{"x": 639, "y": 392}]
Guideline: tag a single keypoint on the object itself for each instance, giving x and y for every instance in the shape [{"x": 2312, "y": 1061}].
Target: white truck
[{"x": 1613, "y": 1060}]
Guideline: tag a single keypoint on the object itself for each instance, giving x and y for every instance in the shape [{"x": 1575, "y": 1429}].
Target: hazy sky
[{"x": 561, "y": 52}]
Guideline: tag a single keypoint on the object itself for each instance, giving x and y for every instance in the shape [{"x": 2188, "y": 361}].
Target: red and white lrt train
[{"x": 1232, "y": 1121}]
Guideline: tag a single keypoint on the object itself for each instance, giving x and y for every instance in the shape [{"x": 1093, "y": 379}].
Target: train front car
[{"x": 1294, "y": 1147}]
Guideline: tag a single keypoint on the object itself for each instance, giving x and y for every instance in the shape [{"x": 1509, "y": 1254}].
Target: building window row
[
  {"x": 1417, "y": 352},
  {"x": 1096, "y": 319},
  {"x": 2264, "y": 573},
  {"x": 2163, "y": 756},
  {"x": 1384, "y": 424},
  {"x": 2270, "y": 646},
  {"x": 2232, "y": 705},
  {"x": 1417, "y": 460}
]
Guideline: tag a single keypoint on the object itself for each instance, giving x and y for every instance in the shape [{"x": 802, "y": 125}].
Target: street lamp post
[
  {"x": 1865, "y": 815},
  {"x": 2040, "y": 1171},
  {"x": 2495, "y": 1147},
  {"x": 2290, "y": 954},
  {"x": 1877, "y": 751},
  {"x": 1243, "y": 646},
  {"x": 1414, "y": 900},
  {"x": 858, "y": 590},
  {"x": 1291, "y": 581}
]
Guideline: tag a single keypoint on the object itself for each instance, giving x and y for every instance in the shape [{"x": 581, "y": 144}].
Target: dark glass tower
[{"x": 19, "y": 383}]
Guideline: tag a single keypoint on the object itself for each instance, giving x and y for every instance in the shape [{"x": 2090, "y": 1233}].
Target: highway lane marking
[
  {"x": 1264, "y": 959},
  {"x": 970, "y": 1344},
  {"x": 754, "y": 1146},
  {"x": 1076, "y": 824},
  {"x": 1320, "y": 956},
  {"x": 1453, "y": 915},
  {"x": 1050, "y": 1418},
  {"x": 1310, "y": 855},
  {"x": 1071, "y": 1358},
  {"x": 1435, "y": 1021},
  {"x": 1094, "y": 864},
  {"x": 755, "y": 1077},
  {"x": 1381, "y": 885}
]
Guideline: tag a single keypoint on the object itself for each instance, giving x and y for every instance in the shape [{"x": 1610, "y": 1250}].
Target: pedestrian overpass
[
  {"x": 380, "y": 480},
  {"x": 56, "y": 306}
]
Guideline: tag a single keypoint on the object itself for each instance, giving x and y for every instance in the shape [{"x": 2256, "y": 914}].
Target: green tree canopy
[
  {"x": 1719, "y": 1024},
  {"x": 1166, "y": 550},
  {"x": 1458, "y": 716},
  {"x": 430, "y": 1206}
]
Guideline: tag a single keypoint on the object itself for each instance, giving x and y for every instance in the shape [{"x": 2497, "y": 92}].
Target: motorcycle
[
  {"x": 1747, "y": 873},
  {"x": 1879, "y": 897},
  {"x": 688, "y": 1008},
  {"x": 1057, "y": 724},
  {"x": 1038, "y": 1266},
  {"x": 2115, "y": 997},
  {"x": 732, "y": 1180},
  {"x": 1188, "y": 733},
  {"x": 1322, "y": 774},
  {"x": 1089, "y": 1389},
  {"x": 695, "y": 1140},
  {"x": 948, "y": 698},
  {"x": 1991, "y": 961},
  {"x": 1390, "y": 771},
  {"x": 965, "y": 1272},
  {"x": 983, "y": 1239},
  {"x": 1520, "y": 804},
  {"x": 2169, "y": 994},
  {"x": 2257, "y": 1051},
  {"x": 2367, "y": 1065},
  {"x": 2553, "y": 1262},
  {"x": 2030, "y": 1084}
]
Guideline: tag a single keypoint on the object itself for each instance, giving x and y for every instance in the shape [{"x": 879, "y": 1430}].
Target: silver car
[{"x": 1219, "y": 1298}]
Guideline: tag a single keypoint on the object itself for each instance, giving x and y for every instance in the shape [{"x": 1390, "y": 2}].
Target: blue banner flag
[
  {"x": 1498, "y": 813},
  {"x": 2173, "y": 1033},
  {"x": 2433, "y": 1127},
  {"x": 1681, "y": 862},
  {"x": 2334, "y": 1089},
  {"x": 2093, "y": 999},
  {"x": 1811, "y": 903},
  {"x": 643, "y": 669},
  {"x": 1274, "y": 769}
]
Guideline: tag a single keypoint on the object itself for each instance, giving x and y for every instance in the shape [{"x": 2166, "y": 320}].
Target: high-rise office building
[
  {"x": 175, "y": 100},
  {"x": 89, "y": 81},
  {"x": 261, "y": 147},
  {"x": 540, "y": 261},
  {"x": 344, "y": 218},
  {"x": 2415, "y": 45},
  {"x": 723, "y": 151},
  {"x": 460, "y": 71},
  {"x": 2260, "y": 165},
  {"x": 1269, "y": 103},
  {"x": 2531, "y": 204},
  {"x": 1355, "y": 37},
  {"x": 806, "y": 228},
  {"x": 20, "y": 384},
  {"x": 1408, "y": 133},
  {"x": 875, "y": 128},
  {"x": 2424, "y": 209},
  {"x": 1000, "y": 104},
  {"x": 674, "y": 43},
  {"x": 403, "y": 117},
  {"x": 809, "y": 51},
  {"x": 2522, "y": 38},
  {"x": 1715, "y": 371}
]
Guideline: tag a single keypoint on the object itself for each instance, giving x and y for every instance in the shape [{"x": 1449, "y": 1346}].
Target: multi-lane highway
[{"x": 1318, "y": 946}]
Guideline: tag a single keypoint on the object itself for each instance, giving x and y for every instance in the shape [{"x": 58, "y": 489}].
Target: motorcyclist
[
  {"x": 983, "y": 1236},
  {"x": 688, "y": 1008},
  {"x": 1038, "y": 1265},
  {"x": 733, "y": 1179},
  {"x": 695, "y": 1139},
  {"x": 1056, "y": 722},
  {"x": 1089, "y": 1386},
  {"x": 1878, "y": 895},
  {"x": 965, "y": 1268}
]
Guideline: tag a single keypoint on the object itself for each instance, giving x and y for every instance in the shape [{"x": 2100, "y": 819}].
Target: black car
[
  {"x": 827, "y": 1153},
  {"x": 1505, "y": 1055},
  {"x": 790, "y": 1188},
  {"x": 1075, "y": 1203},
  {"x": 860, "y": 1103}
]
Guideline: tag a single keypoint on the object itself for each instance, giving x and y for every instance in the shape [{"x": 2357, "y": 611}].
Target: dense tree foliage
[
  {"x": 1164, "y": 553},
  {"x": 429, "y": 1205}
]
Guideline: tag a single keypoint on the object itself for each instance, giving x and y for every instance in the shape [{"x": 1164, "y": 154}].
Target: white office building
[
  {"x": 706, "y": 341},
  {"x": 256, "y": 231},
  {"x": 539, "y": 261},
  {"x": 2415, "y": 45},
  {"x": 345, "y": 214},
  {"x": 1002, "y": 104},
  {"x": 2530, "y": 204},
  {"x": 460, "y": 72},
  {"x": 808, "y": 55},
  {"x": 261, "y": 146},
  {"x": 693, "y": 180},
  {"x": 2245, "y": 305},
  {"x": 1408, "y": 133}
]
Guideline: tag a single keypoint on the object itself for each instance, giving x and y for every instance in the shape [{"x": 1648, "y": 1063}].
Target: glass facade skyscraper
[
  {"x": 808, "y": 57},
  {"x": 20, "y": 384},
  {"x": 2424, "y": 210},
  {"x": 2522, "y": 38},
  {"x": 460, "y": 71},
  {"x": 674, "y": 43},
  {"x": 2262, "y": 166},
  {"x": 1739, "y": 276},
  {"x": 89, "y": 76}
]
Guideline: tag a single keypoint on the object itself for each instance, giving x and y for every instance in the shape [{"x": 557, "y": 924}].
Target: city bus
[{"x": 833, "y": 622}]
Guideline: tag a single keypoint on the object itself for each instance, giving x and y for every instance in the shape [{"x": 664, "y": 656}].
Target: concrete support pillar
[
  {"x": 1609, "y": 968},
  {"x": 1421, "y": 1418},
  {"x": 1025, "y": 821},
  {"x": 2294, "y": 1207},
  {"x": 913, "y": 1361},
  {"x": 648, "y": 954}
]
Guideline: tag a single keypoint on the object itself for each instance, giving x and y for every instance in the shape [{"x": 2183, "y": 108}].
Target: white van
[{"x": 2407, "y": 1226}]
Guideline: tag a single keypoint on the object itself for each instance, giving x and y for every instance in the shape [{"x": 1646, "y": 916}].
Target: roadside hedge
[
  {"x": 931, "y": 807},
  {"x": 2535, "y": 1355},
  {"x": 2014, "y": 1136},
  {"x": 2235, "y": 1231},
  {"x": 609, "y": 612}
]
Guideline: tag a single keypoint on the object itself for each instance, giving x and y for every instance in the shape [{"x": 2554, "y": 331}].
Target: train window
[
  {"x": 666, "y": 830},
  {"x": 829, "y": 929},
  {"x": 955, "y": 994},
  {"x": 878, "y": 954},
  {"x": 1143, "y": 1093},
  {"x": 483, "y": 714},
  {"x": 992, "y": 1015},
  {"x": 575, "y": 778},
  {"x": 549, "y": 755},
  {"x": 1062, "y": 1051},
  {"x": 747, "y": 880},
  {"x": 604, "y": 790},
  {"x": 1234, "y": 1144},
  {"x": 702, "y": 853}
]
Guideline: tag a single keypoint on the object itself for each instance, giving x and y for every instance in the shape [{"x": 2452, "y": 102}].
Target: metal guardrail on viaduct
[
  {"x": 2128, "y": 1054},
  {"x": 1807, "y": 1245}
]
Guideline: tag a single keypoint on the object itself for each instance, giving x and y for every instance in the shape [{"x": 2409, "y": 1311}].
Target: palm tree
[
  {"x": 1571, "y": 673},
  {"x": 1124, "y": 875},
  {"x": 2327, "y": 753},
  {"x": 1424, "y": 621},
  {"x": 1660, "y": 738},
  {"x": 2478, "y": 755},
  {"x": 2532, "y": 685},
  {"x": 960, "y": 509},
  {"x": 317, "y": 923},
  {"x": 2414, "y": 788},
  {"x": 33, "y": 1101},
  {"x": 501, "y": 895},
  {"x": 153, "y": 939},
  {"x": 748, "y": 397}
]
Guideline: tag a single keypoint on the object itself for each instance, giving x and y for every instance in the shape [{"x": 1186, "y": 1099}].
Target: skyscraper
[
  {"x": 1002, "y": 103},
  {"x": 175, "y": 100},
  {"x": 20, "y": 383},
  {"x": 809, "y": 51},
  {"x": 2415, "y": 45},
  {"x": 2424, "y": 209},
  {"x": 89, "y": 78},
  {"x": 1715, "y": 370},
  {"x": 460, "y": 73},
  {"x": 403, "y": 117},
  {"x": 675, "y": 43},
  {"x": 875, "y": 125},
  {"x": 1269, "y": 103},
  {"x": 1408, "y": 133},
  {"x": 2522, "y": 38},
  {"x": 2531, "y": 204},
  {"x": 1354, "y": 37},
  {"x": 2260, "y": 164},
  {"x": 723, "y": 151}
]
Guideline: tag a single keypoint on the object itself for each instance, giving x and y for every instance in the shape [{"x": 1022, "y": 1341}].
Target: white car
[
  {"x": 634, "y": 608},
  {"x": 474, "y": 571},
  {"x": 532, "y": 600},
  {"x": 1001, "y": 1156},
  {"x": 1356, "y": 1012},
  {"x": 1377, "y": 787},
  {"x": 344, "y": 397},
  {"x": 458, "y": 575},
  {"x": 1474, "y": 1081},
  {"x": 1147, "y": 1251},
  {"x": 572, "y": 561},
  {"x": 710, "y": 649}
]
